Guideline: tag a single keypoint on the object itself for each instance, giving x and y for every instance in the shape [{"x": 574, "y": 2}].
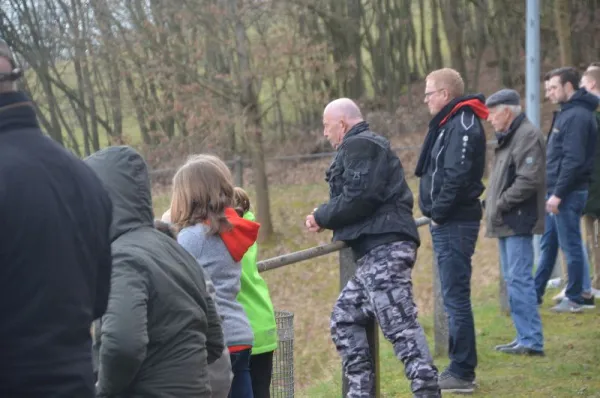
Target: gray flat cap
[{"x": 503, "y": 97}]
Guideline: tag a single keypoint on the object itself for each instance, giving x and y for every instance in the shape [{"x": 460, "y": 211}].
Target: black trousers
[{"x": 261, "y": 369}]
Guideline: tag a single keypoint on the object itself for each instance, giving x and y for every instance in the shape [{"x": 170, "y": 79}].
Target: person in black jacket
[
  {"x": 370, "y": 208},
  {"x": 54, "y": 251},
  {"x": 569, "y": 165},
  {"x": 451, "y": 168}
]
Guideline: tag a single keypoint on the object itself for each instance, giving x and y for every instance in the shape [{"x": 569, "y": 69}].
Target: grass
[{"x": 569, "y": 369}]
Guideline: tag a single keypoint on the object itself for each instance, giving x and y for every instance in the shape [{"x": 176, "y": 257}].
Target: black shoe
[
  {"x": 509, "y": 345},
  {"x": 588, "y": 303},
  {"x": 451, "y": 384},
  {"x": 522, "y": 350}
]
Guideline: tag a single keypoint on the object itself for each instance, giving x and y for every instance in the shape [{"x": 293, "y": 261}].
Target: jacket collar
[
  {"x": 505, "y": 137},
  {"x": 16, "y": 112},
  {"x": 355, "y": 130},
  {"x": 474, "y": 102}
]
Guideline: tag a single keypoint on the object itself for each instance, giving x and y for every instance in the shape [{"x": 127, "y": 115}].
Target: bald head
[
  {"x": 339, "y": 117},
  {"x": 343, "y": 108}
]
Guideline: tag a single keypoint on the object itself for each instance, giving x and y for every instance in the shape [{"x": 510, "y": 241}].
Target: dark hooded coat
[{"x": 161, "y": 328}]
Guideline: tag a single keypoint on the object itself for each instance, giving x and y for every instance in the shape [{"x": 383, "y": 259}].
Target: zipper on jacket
[{"x": 435, "y": 169}]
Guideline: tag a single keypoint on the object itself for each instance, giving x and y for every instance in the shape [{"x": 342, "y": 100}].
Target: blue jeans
[
  {"x": 516, "y": 258},
  {"x": 454, "y": 245},
  {"x": 564, "y": 230},
  {"x": 241, "y": 385},
  {"x": 557, "y": 270}
]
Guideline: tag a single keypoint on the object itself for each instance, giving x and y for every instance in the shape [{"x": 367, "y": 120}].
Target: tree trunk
[
  {"x": 423, "y": 38},
  {"x": 251, "y": 106},
  {"x": 436, "y": 49},
  {"x": 562, "y": 19},
  {"x": 453, "y": 16},
  {"x": 356, "y": 86}
]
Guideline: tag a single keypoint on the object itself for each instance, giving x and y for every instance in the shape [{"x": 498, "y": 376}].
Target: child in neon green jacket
[{"x": 254, "y": 297}]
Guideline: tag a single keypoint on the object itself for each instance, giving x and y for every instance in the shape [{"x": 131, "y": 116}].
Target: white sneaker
[
  {"x": 560, "y": 296},
  {"x": 596, "y": 293},
  {"x": 554, "y": 283}
]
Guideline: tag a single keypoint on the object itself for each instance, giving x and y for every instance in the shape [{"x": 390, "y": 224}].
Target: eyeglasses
[{"x": 430, "y": 93}]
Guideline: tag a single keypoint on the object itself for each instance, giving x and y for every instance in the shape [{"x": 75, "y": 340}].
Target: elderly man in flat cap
[{"x": 514, "y": 211}]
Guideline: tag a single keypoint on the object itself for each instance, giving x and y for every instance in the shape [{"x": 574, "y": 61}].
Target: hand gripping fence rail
[{"x": 282, "y": 383}]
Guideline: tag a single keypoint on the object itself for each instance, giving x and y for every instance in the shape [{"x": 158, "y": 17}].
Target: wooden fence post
[
  {"x": 440, "y": 319},
  {"x": 238, "y": 170},
  {"x": 347, "y": 271}
]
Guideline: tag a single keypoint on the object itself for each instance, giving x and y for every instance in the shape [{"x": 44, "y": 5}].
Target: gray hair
[{"x": 514, "y": 109}]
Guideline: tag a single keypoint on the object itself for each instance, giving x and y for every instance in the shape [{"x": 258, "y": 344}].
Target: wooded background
[{"x": 249, "y": 77}]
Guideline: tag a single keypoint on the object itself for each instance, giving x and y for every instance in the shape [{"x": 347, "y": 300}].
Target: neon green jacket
[{"x": 254, "y": 297}]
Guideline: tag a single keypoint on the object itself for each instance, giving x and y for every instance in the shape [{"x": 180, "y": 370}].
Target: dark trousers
[
  {"x": 241, "y": 385},
  {"x": 454, "y": 245},
  {"x": 563, "y": 230},
  {"x": 261, "y": 370}
]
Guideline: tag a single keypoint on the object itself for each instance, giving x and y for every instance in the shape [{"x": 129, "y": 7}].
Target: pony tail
[{"x": 241, "y": 201}]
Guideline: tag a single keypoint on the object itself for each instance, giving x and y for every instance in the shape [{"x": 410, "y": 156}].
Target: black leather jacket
[{"x": 370, "y": 202}]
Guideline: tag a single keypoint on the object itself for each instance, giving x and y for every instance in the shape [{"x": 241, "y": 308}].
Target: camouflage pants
[{"x": 382, "y": 288}]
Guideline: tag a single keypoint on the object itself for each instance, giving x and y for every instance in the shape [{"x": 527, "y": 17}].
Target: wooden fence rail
[{"x": 347, "y": 270}]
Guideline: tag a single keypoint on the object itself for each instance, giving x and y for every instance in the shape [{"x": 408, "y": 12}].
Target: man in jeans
[
  {"x": 591, "y": 82},
  {"x": 451, "y": 168},
  {"x": 514, "y": 211},
  {"x": 370, "y": 208},
  {"x": 569, "y": 163}
]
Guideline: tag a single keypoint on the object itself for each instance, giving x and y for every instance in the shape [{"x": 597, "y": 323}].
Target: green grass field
[
  {"x": 309, "y": 289},
  {"x": 569, "y": 369}
]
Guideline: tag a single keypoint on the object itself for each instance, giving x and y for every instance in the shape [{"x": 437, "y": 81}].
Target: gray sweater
[{"x": 212, "y": 254}]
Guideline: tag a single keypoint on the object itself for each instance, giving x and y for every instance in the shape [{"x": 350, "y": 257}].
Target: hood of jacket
[
  {"x": 583, "y": 99},
  {"x": 124, "y": 174},
  {"x": 476, "y": 102},
  {"x": 241, "y": 236}
]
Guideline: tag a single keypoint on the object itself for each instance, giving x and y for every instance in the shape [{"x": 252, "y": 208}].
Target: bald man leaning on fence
[{"x": 370, "y": 208}]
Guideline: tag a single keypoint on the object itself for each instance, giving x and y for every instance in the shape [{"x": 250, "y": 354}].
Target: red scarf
[{"x": 241, "y": 236}]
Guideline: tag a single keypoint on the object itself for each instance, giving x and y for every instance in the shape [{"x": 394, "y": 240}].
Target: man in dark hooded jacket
[
  {"x": 451, "y": 168},
  {"x": 161, "y": 328},
  {"x": 569, "y": 165},
  {"x": 55, "y": 259}
]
